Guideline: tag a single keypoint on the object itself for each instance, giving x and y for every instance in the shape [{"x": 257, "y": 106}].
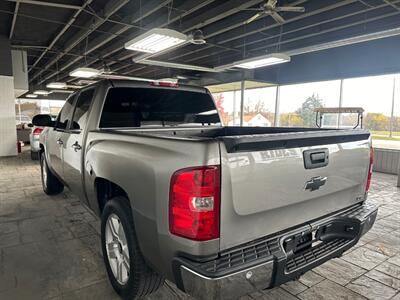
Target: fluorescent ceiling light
[
  {"x": 156, "y": 40},
  {"x": 262, "y": 61},
  {"x": 41, "y": 92},
  {"x": 31, "y": 96},
  {"x": 57, "y": 85},
  {"x": 85, "y": 73},
  {"x": 176, "y": 65}
]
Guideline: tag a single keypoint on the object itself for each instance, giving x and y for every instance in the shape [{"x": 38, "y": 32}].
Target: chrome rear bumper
[{"x": 268, "y": 262}]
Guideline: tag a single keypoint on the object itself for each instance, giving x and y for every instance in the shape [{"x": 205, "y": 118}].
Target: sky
[{"x": 374, "y": 94}]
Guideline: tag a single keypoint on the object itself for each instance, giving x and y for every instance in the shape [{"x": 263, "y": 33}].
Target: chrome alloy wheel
[{"x": 117, "y": 249}]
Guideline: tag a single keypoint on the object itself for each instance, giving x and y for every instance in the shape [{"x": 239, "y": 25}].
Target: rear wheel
[
  {"x": 127, "y": 270},
  {"x": 51, "y": 184}
]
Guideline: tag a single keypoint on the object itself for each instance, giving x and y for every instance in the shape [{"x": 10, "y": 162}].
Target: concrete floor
[{"x": 49, "y": 248}]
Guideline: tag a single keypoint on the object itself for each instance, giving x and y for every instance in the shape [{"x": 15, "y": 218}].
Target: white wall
[
  {"x": 8, "y": 133},
  {"x": 20, "y": 72}
]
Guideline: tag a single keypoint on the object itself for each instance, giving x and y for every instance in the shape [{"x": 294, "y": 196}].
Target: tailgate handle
[{"x": 316, "y": 158}]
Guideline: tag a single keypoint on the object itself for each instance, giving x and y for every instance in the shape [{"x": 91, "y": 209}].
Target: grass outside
[
  {"x": 384, "y": 135},
  {"x": 385, "y": 138},
  {"x": 394, "y": 133}
]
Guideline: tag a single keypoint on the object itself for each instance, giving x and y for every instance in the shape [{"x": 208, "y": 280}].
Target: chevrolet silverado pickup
[{"x": 220, "y": 211}]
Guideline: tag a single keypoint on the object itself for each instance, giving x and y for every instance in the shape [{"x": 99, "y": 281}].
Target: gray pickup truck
[{"x": 219, "y": 211}]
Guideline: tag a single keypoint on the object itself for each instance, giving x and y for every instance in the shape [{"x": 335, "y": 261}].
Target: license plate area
[{"x": 343, "y": 229}]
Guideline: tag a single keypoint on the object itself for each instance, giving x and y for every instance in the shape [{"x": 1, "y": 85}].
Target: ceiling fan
[{"x": 269, "y": 8}]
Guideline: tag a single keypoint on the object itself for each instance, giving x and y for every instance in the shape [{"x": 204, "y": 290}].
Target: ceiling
[{"x": 61, "y": 35}]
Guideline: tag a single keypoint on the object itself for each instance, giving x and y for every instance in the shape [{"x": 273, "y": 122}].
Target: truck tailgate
[{"x": 267, "y": 188}]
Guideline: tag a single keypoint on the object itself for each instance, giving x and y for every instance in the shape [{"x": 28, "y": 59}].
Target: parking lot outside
[{"x": 50, "y": 248}]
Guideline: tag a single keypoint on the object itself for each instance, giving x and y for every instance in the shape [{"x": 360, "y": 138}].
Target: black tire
[
  {"x": 50, "y": 183},
  {"x": 35, "y": 155},
  {"x": 143, "y": 280}
]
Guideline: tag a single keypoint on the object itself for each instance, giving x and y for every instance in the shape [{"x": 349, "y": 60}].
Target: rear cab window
[{"x": 154, "y": 107}]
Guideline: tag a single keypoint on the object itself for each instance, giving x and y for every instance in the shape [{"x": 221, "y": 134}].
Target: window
[
  {"x": 65, "y": 113},
  {"x": 26, "y": 109},
  {"x": 228, "y": 105},
  {"x": 259, "y": 107},
  {"x": 298, "y": 101},
  {"x": 375, "y": 95},
  {"x": 395, "y": 134},
  {"x": 81, "y": 109},
  {"x": 145, "y": 107}
]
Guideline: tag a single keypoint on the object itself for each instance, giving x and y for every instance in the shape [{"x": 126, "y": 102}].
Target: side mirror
[
  {"x": 75, "y": 126},
  {"x": 43, "y": 121},
  {"x": 30, "y": 125}
]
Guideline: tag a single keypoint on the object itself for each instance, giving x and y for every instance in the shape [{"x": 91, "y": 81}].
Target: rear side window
[
  {"x": 81, "y": 109},
  {"x": 146, "y": 107},
  {"x": 65, "y": 113}
]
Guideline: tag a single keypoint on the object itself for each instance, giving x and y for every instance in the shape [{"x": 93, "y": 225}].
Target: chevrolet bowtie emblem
[{"x": 315, "y": 183}]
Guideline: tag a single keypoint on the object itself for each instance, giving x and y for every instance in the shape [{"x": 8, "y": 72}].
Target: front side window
[
  {"x": 65, "y": 113},
  {"x": 81, "y": 109},
  {"x": 146, "y": 107}
]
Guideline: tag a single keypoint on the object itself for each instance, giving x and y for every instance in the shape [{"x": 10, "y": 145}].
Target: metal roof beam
[
  {"x": 251, "y": 30},
  {"x": 259, "y": 26},
  {"x": 234, "y": 22},
  {"x": 294, "y": 28},
  {"x": 92, "y": 24},
  {"x": 14, "y": 20},
  {"x": 315, "y": 25},
  {"x": 222, "y": 11},
  {"x": 49, "y": 4},
  {"x": 98, "y": 42},
  {"x": 149, "y": 7},
  {"x": 332, "y": 43},
  {"x": 185, "y": 9},
  {"x": 57, "y": 37}
]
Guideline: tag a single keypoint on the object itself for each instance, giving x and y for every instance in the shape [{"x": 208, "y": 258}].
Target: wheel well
[{"x": 106, "y": 190}]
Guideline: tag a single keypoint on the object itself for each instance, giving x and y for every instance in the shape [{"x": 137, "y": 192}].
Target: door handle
[
  {"x": 76, "y": 146},
  {"x": 60, "y": 142}
]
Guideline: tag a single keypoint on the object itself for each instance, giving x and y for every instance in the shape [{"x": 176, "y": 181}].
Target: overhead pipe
[
  {"x": 58, "y": 36},
  {"x": 345, "y": 42},
  {"x": 80, "y": 37},
  {"x": 50, "y": 4},
  {"x": 14, "y": 20},
  {"x": 346, "y": 2},
  {"x": 201, "y": 4}
]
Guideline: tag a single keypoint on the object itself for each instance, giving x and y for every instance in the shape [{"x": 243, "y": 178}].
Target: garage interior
[{"x": 343, "y": 52}]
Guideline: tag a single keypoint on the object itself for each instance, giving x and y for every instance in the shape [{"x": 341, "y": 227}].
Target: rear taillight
[
  {"x": 194, "y": 204},
  {"x": 37, "y": 131},
  {"x": 371, "y": 163}
]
